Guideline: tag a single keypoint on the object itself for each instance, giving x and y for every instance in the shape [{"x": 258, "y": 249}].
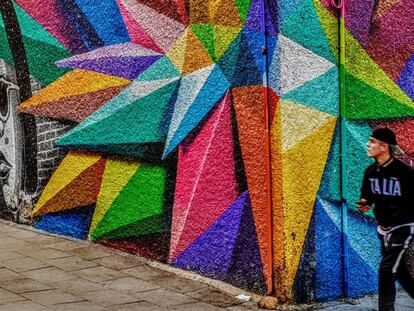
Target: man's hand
[{"x": 363, "y": 206}]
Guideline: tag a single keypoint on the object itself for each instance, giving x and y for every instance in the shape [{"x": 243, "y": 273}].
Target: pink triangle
[
  {"x": 206, "y": 179},
  {"x": 137, "y": 34},
  {"x": 48, "y": 15}
]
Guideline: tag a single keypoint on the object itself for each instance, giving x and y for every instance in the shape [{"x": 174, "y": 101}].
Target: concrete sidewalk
[{"x": 40, "y": 272}]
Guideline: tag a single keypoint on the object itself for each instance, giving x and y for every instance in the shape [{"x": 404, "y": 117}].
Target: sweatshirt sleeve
[{"x": 366, "y": 192}]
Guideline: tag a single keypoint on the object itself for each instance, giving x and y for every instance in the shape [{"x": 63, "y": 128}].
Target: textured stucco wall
[{"x": 167, "y": 157}]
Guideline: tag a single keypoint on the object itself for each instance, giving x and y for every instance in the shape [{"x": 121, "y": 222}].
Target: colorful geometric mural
[{"x": 167, "y": 151}]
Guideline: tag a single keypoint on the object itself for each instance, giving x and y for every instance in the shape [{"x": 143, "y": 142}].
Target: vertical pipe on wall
[
  {"x": 342, "y": 127},
  {"x": 269, "y": 222}
]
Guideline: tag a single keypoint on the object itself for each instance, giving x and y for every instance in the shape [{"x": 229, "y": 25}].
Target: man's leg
[
  {"x": 386, "y": 286},
  {"x": 406, "y": 278}
]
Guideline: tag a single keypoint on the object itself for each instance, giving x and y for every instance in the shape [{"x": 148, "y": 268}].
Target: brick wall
[{"x": 49, "y": 157}]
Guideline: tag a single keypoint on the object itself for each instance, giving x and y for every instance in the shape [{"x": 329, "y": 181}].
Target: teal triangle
[
  {"x": 304, "y": 28},
  {"x": 227, "y": 62},
  {"x": 239, "y": 65},
  {"x": 162, "y": 69},
  {"x": 126, "y": 123},
  {"x": 321, "y": 93}
]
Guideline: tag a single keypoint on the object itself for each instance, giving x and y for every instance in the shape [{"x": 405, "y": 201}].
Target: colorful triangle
[{"x": 75, "y": 183}]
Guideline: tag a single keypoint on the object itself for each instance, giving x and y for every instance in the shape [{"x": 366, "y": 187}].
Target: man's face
[{"x": 376, "y": 147}]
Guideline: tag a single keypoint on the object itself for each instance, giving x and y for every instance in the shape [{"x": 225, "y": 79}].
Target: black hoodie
[{"x": 390, "y": 187}]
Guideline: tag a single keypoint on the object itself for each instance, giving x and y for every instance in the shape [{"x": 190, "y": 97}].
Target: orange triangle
[
  {"x": 199, "y": 12},
  {"x": 81, "y": 191},
  {"x": 248, "y": 105},
  {"x": 196, "y": 57},
  {"x": 225, "y": 13}
]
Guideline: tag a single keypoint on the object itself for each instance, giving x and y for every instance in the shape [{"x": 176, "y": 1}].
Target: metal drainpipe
[
  {"x": 342, "y": 127},
  {"x": 269, "y": 222}
]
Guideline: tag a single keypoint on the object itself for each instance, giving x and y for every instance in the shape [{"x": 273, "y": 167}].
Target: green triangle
[
  {"x": 308, "y": 34},
  {"x": 150, "y": 225},
  {"x": 141, "y": 201},
  {"x": 321, "y": 93},
  {"x": 161, "y": 69},
  {"x": 243, "y": 7},
  {"x": 223, "y": 37},
  {"x": 204, "y": 33},
  {"x": 42, "y": 50},
  {"x": 365, "y": 102},
  {"x": 140, "y": 121}
]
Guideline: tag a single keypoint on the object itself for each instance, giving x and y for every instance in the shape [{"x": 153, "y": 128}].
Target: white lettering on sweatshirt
[{"x": 384, "y": 186}]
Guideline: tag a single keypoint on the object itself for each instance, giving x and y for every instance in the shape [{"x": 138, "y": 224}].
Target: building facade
[{"x": 209, "y": 134}]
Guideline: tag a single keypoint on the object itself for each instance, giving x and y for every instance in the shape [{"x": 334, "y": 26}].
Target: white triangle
[
  {"x": 190, "y": 87},
  {"x": 298, "y": 65},
  {"x": 162, "y": 29}
]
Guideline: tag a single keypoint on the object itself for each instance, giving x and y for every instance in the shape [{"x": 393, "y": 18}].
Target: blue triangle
[
  {"x": 406, "y": 80},
  {"x": 308, "y": 34},
  {"x": 321, "y": 93},
  {"x": 214, "y": 88},
  {"x": 73, "y": 222}
]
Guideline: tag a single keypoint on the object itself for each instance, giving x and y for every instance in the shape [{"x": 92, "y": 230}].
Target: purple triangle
[
  {"x": 126, "y": 67},
  {"x": 253, "y": 21},
  {"x": 246, "y": 270},
  {"x": 211, "y": 253},
  {"x": 255, "y": 16}
]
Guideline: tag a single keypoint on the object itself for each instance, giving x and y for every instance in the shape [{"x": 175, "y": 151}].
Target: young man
[{"x": 388, "y": 185}]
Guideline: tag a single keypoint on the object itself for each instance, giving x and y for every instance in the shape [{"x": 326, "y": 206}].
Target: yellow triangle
[
  {"x": 224, "y": 12},
  {"x": 223, "y": 37},
  {"x": 74, "y": 83},
  {"x": 298, "y": 122},
  {"x": 74, "y": 164},
  {"x": 300, "y": 169},
  {"x": 177, "y": 52},
  {"x": 329, "y": 24},
  {"x": 196, "y": 57},
  {"x": 116, "y": 176}
]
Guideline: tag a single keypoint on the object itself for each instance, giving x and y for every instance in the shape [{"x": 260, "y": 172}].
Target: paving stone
[
  {"x": 51, "y": 297},
  {"x": 214, "y": 297},
  {"x": 6, "y": 296},
  {"x": 146, "y": 273},
  {"x": 89, "y": 252},
  {"x": 7, "y": 255},
  {"x": 118, "y": 262},
  {"x": 24, "y": 286},
  {"x": 71, "y": 263},
  {"x": 48, "y": 275},
  {"x": 23, "y": 306},
  {"x": 99, "y": 274},
  {"x": 240, "y": 308},
  {"x": 180, "y": 284},
  {"x": 108, "y": 297},
  {"x": 6, "y": 274},
  {"x": 77, "y": 285},
  {"x": 45, "y": 254},
  {"x": 196, "y": 306},
  {"x": 12, "y": 243},
  {"x": 164, "y": 297},
  {"x": 25, "y": 235},
  {"x": 130, "y": 285},
  {"x": 79, "y": 306},
  {"x": 139, "y": 306},
  {"x": 68, "y": 245},
  {"x": 24, "y": 264}
]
